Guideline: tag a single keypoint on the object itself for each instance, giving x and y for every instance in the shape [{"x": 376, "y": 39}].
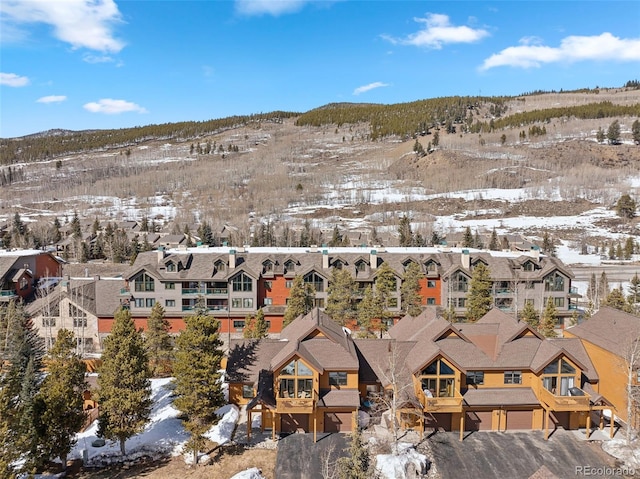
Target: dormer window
[
  {"x": 479, "y": 261},
  {"x": 529, "y": 266},
  {"x": 337, "y": 264},
  {"x": 171, "y": 267},
  {"x": 407, "y": 263},
  {"x": 220, "y": 265},
  {"x": 267, "y": 266},
  {"x": 431, "y": 266},
  {"x": 289, "y": 266}
]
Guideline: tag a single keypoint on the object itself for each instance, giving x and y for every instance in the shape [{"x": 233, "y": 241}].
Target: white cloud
[
  {"x": 370, "y": 86},
  {"x": 438, "y": 31},
  {"x": 270, "y": 7},
  {"x": 11, "y": 79},
  {"x": 89, "y": 58},
  {"x": 110, "y": 106},
  {"x": 572, "y": 49},
  {"x": 81, "y": 23},
  {"x": 51, "y": 99}
]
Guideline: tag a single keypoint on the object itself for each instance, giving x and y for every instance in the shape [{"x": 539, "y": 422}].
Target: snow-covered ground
[{"x": 164, "y": 435}]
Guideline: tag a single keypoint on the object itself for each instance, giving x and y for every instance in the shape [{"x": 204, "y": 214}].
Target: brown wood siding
[
  {"x": 477, "y": 421},
  {"x": 560, "y": 419},
  {"x": 439, "y": 421},
  {"x": 337, "y": 421},
  {"x": 519, "y": 419},
  {"x": 293, "y": 422}
]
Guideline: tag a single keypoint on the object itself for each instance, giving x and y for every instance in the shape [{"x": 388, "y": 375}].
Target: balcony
[
  {"x": 441, "y": 404},
  {"x": 190, "y": 290},
  {"x": 125, "y": 292},
  {"x": 565, "y": 403},
  {"x": 573, "y": 292},
  {"x": 503, "y": 291},
  {"x": 297, "y": 405},
  {"x": 7, "y": 294}
]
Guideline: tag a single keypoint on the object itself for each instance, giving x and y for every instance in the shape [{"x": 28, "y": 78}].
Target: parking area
[{"x": 518, "y": 455}]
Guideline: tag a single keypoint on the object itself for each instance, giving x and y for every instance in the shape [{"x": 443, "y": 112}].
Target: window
[
  {"x": 144, "y": 282},
  {"x": 438, "y": 379},
  {"x": 149, "y": 302},
  {"x": 247, "y": 302},
  {"x": 24, "y": 284},
  {"x": 80, "y": 322},
  {"x": 220, "y": 265},
  {"x": 337, "y": 378},
  {"x": 236, "y": 302},
  {"x": 528, "y": 266},
  {"x": 373, "y": 389},
  {"x": 431, "y": 301},
  {"x": 513, "y": 377},
  {"x": 171, "y": 267},
  {"x": 475, "y": 377},
  {"x": 361, "y": 266},
  {"x": 557, "y": 302},
  {"x": 138, "y": 302},
  {"x": 337, "y": 264},
  {"x": 242, "y": 282},
  {"x": 48, "y": 321},
  {"x": 431, "y": 283},
  {"x": 460, "y": 283},
  {"x": 457, "y": 302},
  {"x": 316, "y": 281},
  {"x": 296, "y": 381},
  {"x": 169, "y": 285},
  {"x": 431, "y": 267},
  {"x": 529, "y": 285},
  {"x": 289, "y": 266},
  {"x": 267, "y": 266},
  {"x": 558, "y": 377},
  {"x": 288, "y": 284},
  {"x": 247, "y": 391},
  {"x": 170, "y": 303},
  {"x": 554, "y": 282},
  {"x": 268, "y": 301},
  {"x": 318, "y": 302},
  {"x": 238, "y": 324},
  {"x": 268, "y": 285}
]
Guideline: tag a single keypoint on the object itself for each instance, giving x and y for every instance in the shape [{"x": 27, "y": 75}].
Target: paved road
[{"x": 616, "y": 273}]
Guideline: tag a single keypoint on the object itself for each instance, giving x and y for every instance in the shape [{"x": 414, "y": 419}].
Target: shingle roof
[
  {"x": 340, "y": 398},
  {"x": 248, "y": 356},
  {"x": 609, "y": 328},
  {"x": 500, "y": 396}
]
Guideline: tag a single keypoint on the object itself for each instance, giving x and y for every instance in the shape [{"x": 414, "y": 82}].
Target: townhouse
[
  {"x": 236, "y": 282},
  {"x": 612, "y": 339},
  {"x": 497, "y": 374},
  {"x": 20, "y": 272}
]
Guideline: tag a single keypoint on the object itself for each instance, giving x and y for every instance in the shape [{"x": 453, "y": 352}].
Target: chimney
[
  {"x": 97, "y": 277},
  {"x": 160, "y": 253},
  {"x": 535, "y": 252},
  {"x": 232, "y": 259},
  {"x": 466, "y": 259},
  {"x": 325, "y": 259},
  {"x": 373, "y": 259}
]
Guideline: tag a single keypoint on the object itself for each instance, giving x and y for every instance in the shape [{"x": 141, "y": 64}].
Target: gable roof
[{"x": 609, "y": 328}]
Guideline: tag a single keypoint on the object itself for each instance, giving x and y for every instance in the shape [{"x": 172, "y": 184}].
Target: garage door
[
  {"x": 477, "y": 421},
  {"x": 337, "y": 421},
  {"x": 559, "y": 419},
  {"x": 439, "y": 421},
  {"x": 519, "y": 420},
  {"x": 293, "y": 422}
]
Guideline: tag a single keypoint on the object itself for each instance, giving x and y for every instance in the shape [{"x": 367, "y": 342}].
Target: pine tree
[
  {"x": 494, "y": 243},
  {"x": 410, "y": 290},
  {"x": 369, "y": 309},
  {"x": 616, "y": 299},
  {"x": 600, "y": 136},
  {"x": 530, "y": 315},
  {"x": 301, "y": 297},
  {"x": 198, "y": 388},
  {"x": 634, "y": 293},
  {"x": 405, "y": 232},
  {"x": 124, "y": 389},
  {"x": 548, "y": 246},
  {"x": 467, "y": 238},
  {"x": 340, "y": 297},
  {"x": 76, "y": 230},
  {"x": 626, "y": 207},
  {"x": 21, "y": 353},
  {"x": 158, "y": 342},
  {"x": 356, "y": 464},
  {"x": 635, "y": 131},
  {"x": 548, "y": 320},
  {"x": 613, "y": 133},
  {"x": 603, "y": 287},
  {"x": 592, "y": 289},
  {"x": 385, "y": 287},
  {"x": 60, "y": 399},
  {"x": 479, "y": 299},
  {"x": 255, "y": 327}
]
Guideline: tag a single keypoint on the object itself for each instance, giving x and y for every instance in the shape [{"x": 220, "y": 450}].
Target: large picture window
[
  {"x": 296, "y": 381},
  {"x": 242, "y": 282},
  {"x": 144, "y": 282},
  {"x": 438, "y": 379},
  {"x": 558, "y": 377},
  {"x": 554, "y": 282}
]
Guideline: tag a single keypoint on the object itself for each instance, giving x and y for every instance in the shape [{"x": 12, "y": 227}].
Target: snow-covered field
[{"x": 164, "y": 435}]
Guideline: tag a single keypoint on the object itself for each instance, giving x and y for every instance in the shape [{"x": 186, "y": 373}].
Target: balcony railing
[
  {"x": 209, "y": 308},
  {"x": 503, "y": 291},
  {"x": 441, "y": 404},
  {"x": 565, "y": 403},
  {"x": 297, "y": 405},
  {"x": 7, "y": 293},
  {"x": 205, "y": 291}
]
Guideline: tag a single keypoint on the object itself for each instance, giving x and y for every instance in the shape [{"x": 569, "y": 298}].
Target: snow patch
[
  {"x": 253, "y": 473},
  {"x": 402, "y": 465}
]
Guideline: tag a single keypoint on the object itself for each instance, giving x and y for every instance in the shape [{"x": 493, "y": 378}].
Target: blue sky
[{"x": 85, "y": 64}]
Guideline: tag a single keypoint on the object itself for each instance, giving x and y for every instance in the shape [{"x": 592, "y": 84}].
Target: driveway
[
  {"x": 517, "y": 455},
  {"x": 299, "y": 458}
]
